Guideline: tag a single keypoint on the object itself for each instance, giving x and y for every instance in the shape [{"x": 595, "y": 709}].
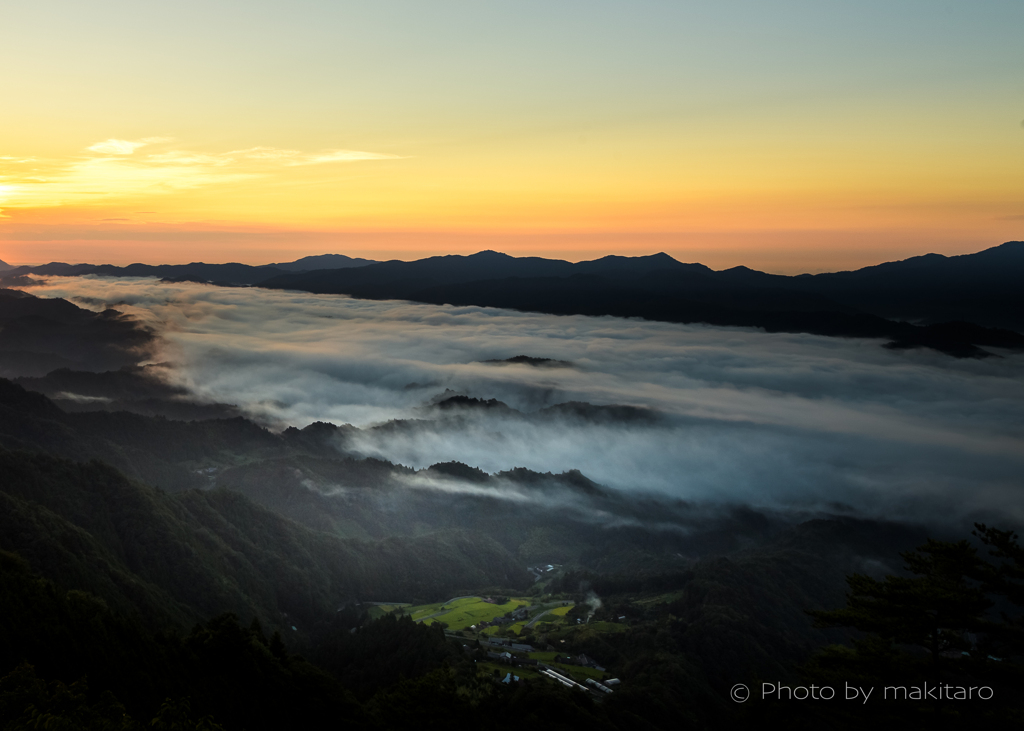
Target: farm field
[
  {"x": 464, "y": 612},
  {"x": 512, "y": 629}
]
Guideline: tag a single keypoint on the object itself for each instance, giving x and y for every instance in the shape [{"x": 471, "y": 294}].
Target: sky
[
  {"x": 774, "y": 420},
  {"x": 786, "y": 136}
]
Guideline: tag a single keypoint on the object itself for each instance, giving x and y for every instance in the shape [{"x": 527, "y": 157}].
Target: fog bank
[{"x": 773, "y": 420}]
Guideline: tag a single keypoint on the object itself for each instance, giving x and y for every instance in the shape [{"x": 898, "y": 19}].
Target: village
[{"x": 517, "y": 638}]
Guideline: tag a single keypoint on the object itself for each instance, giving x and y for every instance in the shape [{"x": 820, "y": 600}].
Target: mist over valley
[{"x": 720, "y": 415}]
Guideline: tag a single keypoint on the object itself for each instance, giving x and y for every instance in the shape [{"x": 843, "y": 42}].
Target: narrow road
[{"x": 537, "y": 618}]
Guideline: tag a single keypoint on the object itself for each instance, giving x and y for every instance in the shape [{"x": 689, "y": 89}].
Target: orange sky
[{"x": 791, "y": 139}]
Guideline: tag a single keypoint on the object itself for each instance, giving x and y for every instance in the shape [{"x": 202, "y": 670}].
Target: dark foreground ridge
[{"x": 113, "y": 595}]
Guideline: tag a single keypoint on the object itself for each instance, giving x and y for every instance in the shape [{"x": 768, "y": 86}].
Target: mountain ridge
[{"x": 957, "y": 305}]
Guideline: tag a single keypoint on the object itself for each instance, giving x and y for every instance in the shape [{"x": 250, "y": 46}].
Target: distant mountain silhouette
[
  {"x": 223, "y": 274},
  {"x": 323, "y": 261},
  {"x": 954, "y": 304},
  {"x": 232, "y": 274},
  {"x": 984, "y": 287},
  {"x": 4, "y": 265},
  {"x": 403, "y": 279}
]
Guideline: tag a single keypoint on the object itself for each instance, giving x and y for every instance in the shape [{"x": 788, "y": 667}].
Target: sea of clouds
[{"x": 772, "y": 420}]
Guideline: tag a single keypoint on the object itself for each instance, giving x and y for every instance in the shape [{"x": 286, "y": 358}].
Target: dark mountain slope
[
  {"x": 984, "y": 287},
  {"x": 774, "y": 311},
  {"x": 119, "y": 673},
  {"x": 38, "y": 335},
  {"x": 164, "y": 453},
  {"x": 137, "y": 389},
  {"x": 177, "y": 558}
]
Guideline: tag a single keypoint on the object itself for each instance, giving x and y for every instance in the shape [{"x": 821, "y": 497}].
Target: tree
[
  {"x": 1006, "y": 579},
  {"x": 934, "y": 609},
  {"x": 177, "y": 716},
  {"x": 933, "y": 628}
]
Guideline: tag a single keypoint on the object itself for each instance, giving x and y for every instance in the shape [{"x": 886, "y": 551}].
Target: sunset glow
[{"x": 796, "y": 139}]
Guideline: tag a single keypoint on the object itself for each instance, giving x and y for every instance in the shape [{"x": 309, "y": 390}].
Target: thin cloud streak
[
  {"x": 114, "y": 170},
  {"x": 125, "y": 147},
  {"x": 774, "y": 420}
]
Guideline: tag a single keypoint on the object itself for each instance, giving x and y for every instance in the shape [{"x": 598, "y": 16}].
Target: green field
[
  {"x": 554, "y": 618},
  {"x": 514, "y": 629},
  {"x": 424, "y": 610},
  {"x": 480, "y": 611},
  {"x": 463, "y": 613}
]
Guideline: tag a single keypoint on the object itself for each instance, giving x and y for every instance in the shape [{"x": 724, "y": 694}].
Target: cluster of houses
[
  {"x": 507, "y": 657},
  {"x": 597, "y": 688},
  {"x": 539, "y": 571},
  {"x": 581, "y": 660}
]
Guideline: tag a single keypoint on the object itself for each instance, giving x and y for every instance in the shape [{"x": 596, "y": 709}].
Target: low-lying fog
[{"x": 775, "y": 420}]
